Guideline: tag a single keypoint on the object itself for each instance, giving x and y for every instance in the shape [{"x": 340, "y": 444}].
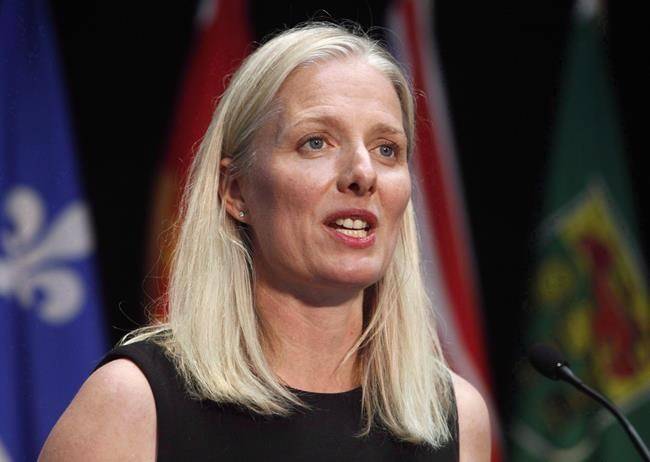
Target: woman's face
[{"x": 330, "y": 181}]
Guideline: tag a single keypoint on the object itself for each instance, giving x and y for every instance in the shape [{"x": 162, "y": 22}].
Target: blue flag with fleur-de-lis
[{"x": 51, "y": 326}]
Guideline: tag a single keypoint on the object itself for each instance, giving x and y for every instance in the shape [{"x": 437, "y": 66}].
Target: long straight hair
[{"x": 212, "y": 331}]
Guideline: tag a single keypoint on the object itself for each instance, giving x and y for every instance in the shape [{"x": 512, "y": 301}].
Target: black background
[{"x": 501, "y": 65}]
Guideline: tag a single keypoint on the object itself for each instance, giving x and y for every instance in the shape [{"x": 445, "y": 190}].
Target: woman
[{"x": 298, "y": 326}]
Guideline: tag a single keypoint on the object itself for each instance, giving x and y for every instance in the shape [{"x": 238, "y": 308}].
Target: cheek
[
  {"x": 397, "y": 196},
  {"x": 280, "y": 202}
]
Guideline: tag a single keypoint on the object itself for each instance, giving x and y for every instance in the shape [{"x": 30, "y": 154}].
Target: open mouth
[{"x": 352, "y": 227}]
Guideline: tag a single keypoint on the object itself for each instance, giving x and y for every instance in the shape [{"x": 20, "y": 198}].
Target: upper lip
[{"x": 359, "y": 214}]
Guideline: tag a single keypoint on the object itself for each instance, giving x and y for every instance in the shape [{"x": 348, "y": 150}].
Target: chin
[{"x": 358, "y": 278}]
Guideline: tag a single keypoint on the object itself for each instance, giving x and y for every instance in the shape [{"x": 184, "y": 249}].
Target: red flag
[
  {"x": 223, "y": 41},
  {"x": 439, "y": 205}
]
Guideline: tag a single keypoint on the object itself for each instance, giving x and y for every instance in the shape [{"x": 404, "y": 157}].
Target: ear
[{"x": 230, "y": 191}]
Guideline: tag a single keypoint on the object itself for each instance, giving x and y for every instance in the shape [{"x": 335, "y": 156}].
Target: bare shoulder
[
  {"x": 112, "y": 417},
  {"x": 473, "y": 422}
]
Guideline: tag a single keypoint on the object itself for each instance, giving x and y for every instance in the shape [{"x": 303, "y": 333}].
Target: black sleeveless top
[{"x": 190, "y": 429}]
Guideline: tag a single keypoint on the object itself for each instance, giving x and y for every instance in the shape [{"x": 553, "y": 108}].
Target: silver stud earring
[{"x": 242, "y": 213}]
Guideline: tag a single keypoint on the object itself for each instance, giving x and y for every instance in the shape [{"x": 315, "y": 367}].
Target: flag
[
  {"x": 589, "y": 294},
  {"x": 438, "y": 198},
  {"x": 222, "y": 42},
  {"x": 51, "y": 331}
]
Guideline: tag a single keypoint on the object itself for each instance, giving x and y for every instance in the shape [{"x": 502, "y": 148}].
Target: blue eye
[
  {"x": 386, "y": 150},
  {"x": 315, "y": 143}
]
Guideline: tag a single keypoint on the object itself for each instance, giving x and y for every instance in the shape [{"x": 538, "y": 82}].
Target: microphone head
[{"x": 546, "y": 360}]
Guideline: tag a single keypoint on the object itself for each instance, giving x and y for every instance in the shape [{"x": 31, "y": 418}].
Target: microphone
[{"x": 550, "y": 363}]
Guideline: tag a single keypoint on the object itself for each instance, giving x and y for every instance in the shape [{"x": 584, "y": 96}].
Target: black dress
[{"x": 193, "y": 430}]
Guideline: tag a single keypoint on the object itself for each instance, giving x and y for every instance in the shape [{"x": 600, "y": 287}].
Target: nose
[{"x": 358, "y": 174}]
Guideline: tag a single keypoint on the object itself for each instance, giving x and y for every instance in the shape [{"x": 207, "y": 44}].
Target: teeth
[
  {"x": 351, "y": 224},
  {"x": 353, "y": 232}
]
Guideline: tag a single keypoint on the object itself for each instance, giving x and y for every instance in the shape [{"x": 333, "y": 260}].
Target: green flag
[{"x": 589, "y": 295}]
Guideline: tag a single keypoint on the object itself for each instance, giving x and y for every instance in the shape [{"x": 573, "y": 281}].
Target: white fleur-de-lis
[
  {"x": 35, "y": 257},
  {"x": 4, "y": 454}
]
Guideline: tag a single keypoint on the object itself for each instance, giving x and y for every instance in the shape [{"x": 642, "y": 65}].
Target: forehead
[{"x": 332, "y": 86}]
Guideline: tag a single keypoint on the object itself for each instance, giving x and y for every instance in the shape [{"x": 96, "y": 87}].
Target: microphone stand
[{"x": 566, "y": 374}]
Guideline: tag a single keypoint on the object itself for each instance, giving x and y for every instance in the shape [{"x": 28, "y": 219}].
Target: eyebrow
[
  {"x": 328, "y": 119},
  {"x": 383, "y": 127}
]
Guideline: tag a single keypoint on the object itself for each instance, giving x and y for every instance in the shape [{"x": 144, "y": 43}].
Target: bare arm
[
  {"x": 113, "y": 417},
  {"x": 473, "y": 422}
]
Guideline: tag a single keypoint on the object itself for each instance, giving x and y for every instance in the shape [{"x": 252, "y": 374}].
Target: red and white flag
[
  {"x": 223, "y": 39},
  {"x": 440, "y": 207}
]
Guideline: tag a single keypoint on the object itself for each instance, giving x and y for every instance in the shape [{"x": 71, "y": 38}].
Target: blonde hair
[{"x": 212, "y": 331}]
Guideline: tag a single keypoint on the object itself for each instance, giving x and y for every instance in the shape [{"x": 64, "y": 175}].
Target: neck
[{"x": 306, "y": 344}]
